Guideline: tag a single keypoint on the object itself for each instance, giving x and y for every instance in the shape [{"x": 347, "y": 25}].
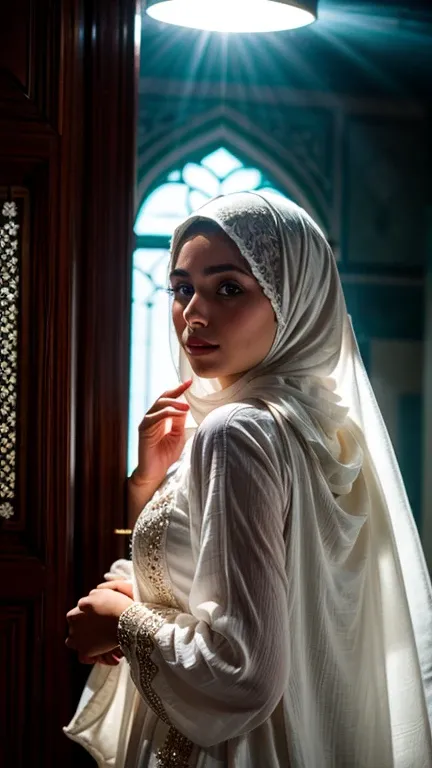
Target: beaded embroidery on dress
[
  {"x": 148, "y": 553},
  {"x": 148, "y": 545}
]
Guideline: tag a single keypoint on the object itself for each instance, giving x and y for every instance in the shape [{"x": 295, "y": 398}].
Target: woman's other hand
[
  {"x": 161, "y": 439},
  {"x": 93, "y": 623},
  {"x": 110, "y": 659},
  {"x": 118, "y": 585}
]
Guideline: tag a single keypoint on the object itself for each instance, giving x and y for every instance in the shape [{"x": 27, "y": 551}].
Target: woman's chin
[
  {"x": 207, "y": 369},
  {"x": 204, "y": 371}
]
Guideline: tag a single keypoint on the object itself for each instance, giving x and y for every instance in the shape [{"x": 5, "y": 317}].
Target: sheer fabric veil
[{"x": 314, "y": 381}]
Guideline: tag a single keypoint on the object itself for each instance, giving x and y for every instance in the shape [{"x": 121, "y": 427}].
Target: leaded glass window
[{"x": 178, "y": 195}]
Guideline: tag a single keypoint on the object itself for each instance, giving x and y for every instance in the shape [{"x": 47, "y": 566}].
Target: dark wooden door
[{"x": 67, "y": 95}]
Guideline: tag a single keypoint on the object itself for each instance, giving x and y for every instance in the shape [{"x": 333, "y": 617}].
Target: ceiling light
[{"x": 235, "y": 15}]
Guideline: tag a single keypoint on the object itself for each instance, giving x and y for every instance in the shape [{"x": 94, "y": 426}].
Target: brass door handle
[{"x": 122, "y": 531}]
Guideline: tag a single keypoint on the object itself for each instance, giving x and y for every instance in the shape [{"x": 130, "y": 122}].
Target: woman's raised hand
[{"x": 160, "y": 442}]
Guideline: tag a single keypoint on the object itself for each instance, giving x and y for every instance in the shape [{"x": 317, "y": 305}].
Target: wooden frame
[{"x": 67, "y": 126}]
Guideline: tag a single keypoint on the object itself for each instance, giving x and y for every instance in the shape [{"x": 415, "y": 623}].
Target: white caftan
[{"x": 239, "y": 660}]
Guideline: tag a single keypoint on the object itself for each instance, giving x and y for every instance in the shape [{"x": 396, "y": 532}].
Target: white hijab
[{"x": 313, "y": 378}]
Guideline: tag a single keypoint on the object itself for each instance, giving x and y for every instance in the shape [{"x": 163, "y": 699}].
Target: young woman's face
[{"x": 219, "y": 302}]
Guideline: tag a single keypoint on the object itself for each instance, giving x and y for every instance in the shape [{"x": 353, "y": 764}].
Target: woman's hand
[
  {"x": 93, "y": 623},
  {"x": 112, "y": 658},
  {"x": 161, "y": 440},
  {"x": 118, "y": 585}
]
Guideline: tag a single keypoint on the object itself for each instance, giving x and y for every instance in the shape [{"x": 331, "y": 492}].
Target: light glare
[
  {"x": 138, "y": 22},
  {"x": 231, "y": 15}
]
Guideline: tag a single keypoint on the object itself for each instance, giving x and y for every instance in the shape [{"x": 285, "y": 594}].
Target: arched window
[{"x": 177, "y": 196}]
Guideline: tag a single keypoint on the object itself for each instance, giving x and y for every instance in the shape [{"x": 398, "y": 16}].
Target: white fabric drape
[{"x": 290, "y": 257}]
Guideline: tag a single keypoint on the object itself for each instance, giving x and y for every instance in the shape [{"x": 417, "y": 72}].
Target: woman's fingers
[
  {"x": 165, "y": 413},
  {"x": 166, "y": 402},
  {"x": 177, "y": 391},
  {"x": 108, "y": 585},
  {"x": 108, "y": 659},
  {"x": 118, "y": 586},
  {"x": 161, "y": 436},
  {"x": 171, "y": 394}
]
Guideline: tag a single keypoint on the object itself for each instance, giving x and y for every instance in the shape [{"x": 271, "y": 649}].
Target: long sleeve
[{"x": 220, "y": 670}]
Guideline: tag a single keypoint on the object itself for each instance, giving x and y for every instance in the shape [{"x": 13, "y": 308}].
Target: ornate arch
[{"x": 289, "y": 169}]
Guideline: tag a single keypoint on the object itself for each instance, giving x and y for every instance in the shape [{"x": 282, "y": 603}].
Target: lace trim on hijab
[{"x": 259, "y": 244}]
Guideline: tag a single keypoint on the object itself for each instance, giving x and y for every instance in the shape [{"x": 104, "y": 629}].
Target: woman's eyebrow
[{"x": 212, "y": 270}]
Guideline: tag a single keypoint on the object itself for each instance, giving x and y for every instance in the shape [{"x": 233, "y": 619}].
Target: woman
[{"x": 280, "y": 611}]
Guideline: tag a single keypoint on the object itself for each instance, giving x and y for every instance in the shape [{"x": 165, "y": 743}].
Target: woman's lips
[{"x": 197, "y": 350}]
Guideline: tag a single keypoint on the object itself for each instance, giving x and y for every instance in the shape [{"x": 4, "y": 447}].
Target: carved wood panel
[
  {"x": 67, "y": 124},
  {"x": 16, "y": 60},
  {"x": 34, "y": 449},
  {"x": 30, "y": 64},
  {"x": 18, "y": 623},
  {"x": 35, "y": 287}
]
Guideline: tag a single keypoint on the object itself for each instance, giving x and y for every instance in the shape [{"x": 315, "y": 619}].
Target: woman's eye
[
  {"x": 230, "y": 289},
  {"x": 184, "y": 290},
  {"x": 181, "y": 290}
]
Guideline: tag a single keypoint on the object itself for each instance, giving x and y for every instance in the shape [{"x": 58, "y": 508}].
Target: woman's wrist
[
  {"x": 140, "y": 491},
  {"x": 139, "y": 479}
]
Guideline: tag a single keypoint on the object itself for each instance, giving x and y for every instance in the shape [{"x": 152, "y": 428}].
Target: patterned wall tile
[
  {"x": 396, "y": 371},
  {"x": 385, "y": 311},
  {"x": 410, "y": 449},
  {"x": 384, "y": 218}
]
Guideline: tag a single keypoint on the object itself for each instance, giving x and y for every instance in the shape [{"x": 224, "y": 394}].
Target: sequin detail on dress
[
  {"x": 148, "y": 546},
  {"x": 176, "y": 751},
  {"x": 139, "y": 623},
  {"x": 150, "y": 620},
  {"x": 177, "y": 748}
]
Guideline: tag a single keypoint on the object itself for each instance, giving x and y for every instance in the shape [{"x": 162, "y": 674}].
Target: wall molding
[{"x": 281, "y": 95}]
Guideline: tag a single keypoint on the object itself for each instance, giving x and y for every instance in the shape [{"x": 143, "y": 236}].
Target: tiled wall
[
  {"x": 396, "y": 369},
  {"x": 388, "y": 320}
]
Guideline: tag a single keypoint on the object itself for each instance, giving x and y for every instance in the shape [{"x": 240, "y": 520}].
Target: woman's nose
[{"x": 196, "y": 311}]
